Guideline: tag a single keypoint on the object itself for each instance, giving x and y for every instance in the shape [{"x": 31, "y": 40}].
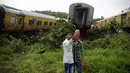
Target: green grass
[
  {"x": 107, "y": 61},
  {"x": 96, "y": 61},
  {"x": 11, "y": 55},
  {"x": 48, "y": 62},
  {"x": 105, "y": 55}
]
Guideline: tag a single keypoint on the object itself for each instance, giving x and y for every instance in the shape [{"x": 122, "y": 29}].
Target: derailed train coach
[
  {"x": 81, "y": 15},
  {"x": 12, "y": 19}
]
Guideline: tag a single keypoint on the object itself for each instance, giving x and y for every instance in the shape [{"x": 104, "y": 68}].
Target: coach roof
[{"x": 28, "y": 13}]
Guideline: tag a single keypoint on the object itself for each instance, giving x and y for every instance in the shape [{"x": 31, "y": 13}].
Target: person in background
[
  {"x": 78, "y": 52},
  {"x": 68, "y": 55}
]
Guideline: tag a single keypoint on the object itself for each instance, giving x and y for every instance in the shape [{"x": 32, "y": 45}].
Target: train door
[
  {"x": 2, "y": 15},
  {"x": 20, "y": 22},
  {"x": 1, "y": 20},
  {"x": 123, "y": 20}
]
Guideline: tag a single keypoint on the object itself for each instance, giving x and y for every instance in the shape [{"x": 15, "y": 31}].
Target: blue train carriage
[{"x": 12, "y": 19}]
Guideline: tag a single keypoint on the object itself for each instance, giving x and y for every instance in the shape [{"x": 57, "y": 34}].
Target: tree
[
  {"x": 53, "y": 13},
  {"x": 102, "y": 17},
  {"x": 95, "y": 20}
]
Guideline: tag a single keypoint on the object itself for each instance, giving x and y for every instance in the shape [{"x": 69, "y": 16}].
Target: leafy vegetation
[
  {"x": 108, "y": 55},
  {"x": 43, "y": 54},
  {"x": 53, "y": 13},
  {"x": 94, "y": 21},
  {"x": 48, "y": 62},
  {"x": 9, "y": 48},
  {"x": 13, "y": 50},
  {"x": 112, "y": 28}
]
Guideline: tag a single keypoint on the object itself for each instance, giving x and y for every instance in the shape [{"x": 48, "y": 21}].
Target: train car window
[
  {"x": 16, "y": 21},
  {"x": 39, "y": 22},
  {"x": 31, "y": 22},
  {"x": 101, "y": 22},
  {"x": 12, "y": 20},
  {"x": 45, "y": 23},
  {"x": 54, "y": 24},
  {"x": 123, "y": 19},
  {"x": 50, "y": 23},
  {"x": 105, "y": 22},
  {"x": 129, "y": 20},
  {"x": 20, "y": 21}
]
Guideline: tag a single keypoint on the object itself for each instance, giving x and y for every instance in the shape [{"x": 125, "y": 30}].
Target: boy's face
[{"x": 69, "y": 36}]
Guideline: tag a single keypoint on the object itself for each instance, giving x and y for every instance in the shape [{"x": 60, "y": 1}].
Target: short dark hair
[{"x": 68, "y": 32}]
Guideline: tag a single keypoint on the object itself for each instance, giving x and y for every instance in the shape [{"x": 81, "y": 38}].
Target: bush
[
  {"x": 112, "y": 28},
  {"x": 48, "y": 62},
  {"x": 107, "y": 61},
  {"x": 6, "y": 56},
  {"x": 9, "y": 48},
  {"x": 57, "y": 34},
  {"x": 17, "y": 46},
  {"x": 109, "y": 55},
  {"x": 109, "y": 42},
  {"x": 99, "y": 43},
  {"x": 104, "y": 55}
]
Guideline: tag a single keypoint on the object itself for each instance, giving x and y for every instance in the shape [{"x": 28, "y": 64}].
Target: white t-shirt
[{"x": 67, "y": 48}]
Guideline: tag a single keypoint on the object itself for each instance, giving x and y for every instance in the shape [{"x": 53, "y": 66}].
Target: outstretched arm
[{"x": 69, "y": 43}]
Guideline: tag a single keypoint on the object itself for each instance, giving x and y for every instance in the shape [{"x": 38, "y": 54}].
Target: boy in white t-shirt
[{"x": 68, "y": 54}]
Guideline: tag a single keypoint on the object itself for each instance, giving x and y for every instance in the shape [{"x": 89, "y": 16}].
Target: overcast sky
[{"x": 104, "y": 8}]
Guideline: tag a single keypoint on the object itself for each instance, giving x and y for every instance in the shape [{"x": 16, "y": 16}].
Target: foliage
[
  {"x": 107, "y": 61},
  {"x": 112, "y": 28},
  {"x": 48, "y": 62},
  {"x": 56, "y": 14},
  {"x": 13, "y": 50},
  {"x": 9, "y": 46},
  {"x": 57, "y": 35},
  {"x": 108, "y": 55},
  {"x": 95, "y": 20},
  {"x": 107, "y": 41},
  {"x": 5, "y": 59},
  {"x": 59, "y": 32},
  {"x": 53, "y": 38},
  {"x": 104, "y": 55},
  {"x": 17, "y": 46}
]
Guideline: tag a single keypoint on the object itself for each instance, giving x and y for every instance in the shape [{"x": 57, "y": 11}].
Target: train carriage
[
  {"x": 12, "y": 19},
  {"x": 122, "y": 19}
]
